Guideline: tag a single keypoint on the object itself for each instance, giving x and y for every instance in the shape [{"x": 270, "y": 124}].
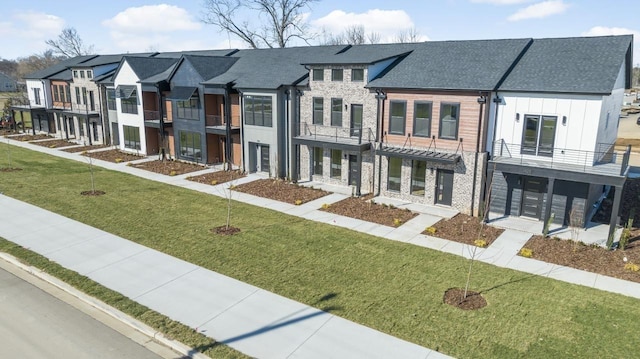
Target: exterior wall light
[
  {"x": 564, "y": 120},
  {"x": 517, "y": 117}
]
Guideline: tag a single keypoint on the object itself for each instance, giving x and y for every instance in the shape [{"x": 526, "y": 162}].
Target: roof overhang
[
  {"x": 125, "y": 91},
  {"x": 181, "y": 93},
  {"x": 420, "y": 155}
]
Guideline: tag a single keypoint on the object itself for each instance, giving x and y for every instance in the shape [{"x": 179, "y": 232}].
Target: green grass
[{"x": 393, "y": 287}]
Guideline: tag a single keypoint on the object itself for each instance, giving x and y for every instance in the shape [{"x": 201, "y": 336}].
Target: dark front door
[
  {"x": 264, "y": 158},
  {"x": 353, "y": 170},
  {"x": 444, "y": 187},
  {"x": 532, "y": 194}
]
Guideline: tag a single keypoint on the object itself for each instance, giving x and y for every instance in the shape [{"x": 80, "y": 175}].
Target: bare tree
[
  {"x": 352, "y": 35},
  {"x": 35, "y": 62},
  {"x": 281, "y": 20},
  {"x": 69, "y": 44},
  {"x": 410, "y": 35},
  {"x": 374, "y": 37}
]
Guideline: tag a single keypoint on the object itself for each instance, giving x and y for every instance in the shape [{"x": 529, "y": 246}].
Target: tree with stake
[{"x": 93, "y": 191}]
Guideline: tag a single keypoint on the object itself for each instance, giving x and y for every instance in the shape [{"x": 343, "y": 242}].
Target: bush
[
  {"x": 431, "y": 230},
  {"x": 397, "y": 222},
  {"x": 118, "y": 160},
  {"x": 325, "y": 206},
  {"x": 526, "y": 252},
  {"x": 298, "y": 202},
  {"x": 480, "y": 243},
  {"x": 214, "y": 182},
  {"x": 173, "y": 173},
  {"x": 632, "y": 267}
]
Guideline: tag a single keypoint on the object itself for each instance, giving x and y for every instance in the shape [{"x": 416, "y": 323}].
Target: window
[
  {"x": 81, "y": 128},
  {"x": 56, "y": 94},
  {"x": 63, "y": 93},
  {"x": 84, "y": 95},
  {"x": 422, "y": 119},
  {"x": 317, "y": 160},
  {"x": 36, "y": 95},
  {"x": 188, "y": 109},
  {"x": 318, "y": 74},
  {"x": 111, "y": 99},
  {"x": 539, "y": 135},
  {"x": 67, "y": 90},
  {"x": 318, "y": 110},
  {"x": 81, "y": 74},
  {"x": 75, "y": 74},
  {"x": 398, "y": 114},
  {"x": 418, "y": 172},
  {"x": 190, "y": 146},
  {"x": 357, "y": 75},
  {"x": 258, "y": 110},
  {"x": 336, "y": 75},
  {"x": 336, "y": 164},
  {"x": 130, "y": 104},
  {"x": 131, "y": 137},
  {"x": 89, "y": 74},
  {"x": 449, "y": 113},
  {"x": 394, "y": 174},
  {"x": 336, "y": 112},
  {"x": 78, "y": 95}
]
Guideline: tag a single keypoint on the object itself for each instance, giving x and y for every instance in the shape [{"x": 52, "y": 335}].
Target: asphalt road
[{"x": 35, "y": 323}]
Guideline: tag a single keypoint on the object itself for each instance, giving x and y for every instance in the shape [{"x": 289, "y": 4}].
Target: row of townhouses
[{"x": 525, "y": 125}]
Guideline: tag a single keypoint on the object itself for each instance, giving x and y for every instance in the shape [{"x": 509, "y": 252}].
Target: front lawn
[{"x": 390, "y": 286}]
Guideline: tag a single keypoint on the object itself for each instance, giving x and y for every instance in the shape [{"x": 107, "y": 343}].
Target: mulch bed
[
  {"x": 30, "y": 137},
  {"x": 223, "y": 230},
  {"x": 5, "y": 132},
  {"x": 280, "y": 190},
  {"x": 84, "y": 148},
  {"x": 215, "y": 178},
  {"x": 93, "y": 193},
  {"x": 10, "y": 169},
  {"x": 455, "y": 297},
  {"x": 630, "y": 200},
  {"x": 362, "y": 208},
  {"x": 169, "y": 168},
  {"x": 115, "y": 156},
  {"x": 55, "y": 143},
  {"x": 593, "y": 259},
  {"x": 464, "y": 229}
]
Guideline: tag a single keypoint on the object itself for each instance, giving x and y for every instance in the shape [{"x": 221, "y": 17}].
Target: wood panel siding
[
  {"x": 149, "y": 101},
  {"x": 235, "y": 112}
]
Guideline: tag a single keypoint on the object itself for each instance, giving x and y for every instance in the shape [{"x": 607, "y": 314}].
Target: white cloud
[
  {"x": 606, "y": 31},
  {"x": 500, "y": 2},
  {"x": 152, "y": 18},
  {"x": 24, "y": 32},
  {"x": 387, "y": 23},
  {"x": 540, "y": 10}
]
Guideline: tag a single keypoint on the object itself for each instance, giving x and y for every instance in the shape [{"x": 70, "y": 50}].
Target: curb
[{"x": 176, "y": 346}]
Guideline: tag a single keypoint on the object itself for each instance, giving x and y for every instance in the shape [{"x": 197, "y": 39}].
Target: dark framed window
[
  {"x": 398, "y": 115},
  {"x": 336, "y": 112},
  {"x": 78, "y": 100},
  {"x": 63, "y": 93},
  {"x": 111, "y": 99},
  {"x": 75, "y": 74},
  {"x": 67, "y": 90},
  {"x": 190, "y": 146},
  {"x": 357, "y": 75},
  {"x": 81, "y": 74},
  {"x": 539, "y": 134},
  {"x": 449, "y": 118},
  {"x": 336, "y": 75},
  {"x": 258, "y": 110},
  {"x": 84, "y": 95},
  {"x": 56, "y": 94},
  {"x": 318, "y": 155},
  {"x": 81, "y": 128},
  {"x": 394, "y": 174},
  {"x": 131, "y": 137},
  {"x": 36, "y": 95},
  {"x": 336, "y": 164},
  {"x": 422, "y": 119},
  {"x": 188, "y": 109},
  {"x": 318, "y": 74},
  {"x": 130, "y": 105},
  {"x": 418, "y": 174},
  {"x": 89, "y": 74},
  {"x": 318, "y": 110}
]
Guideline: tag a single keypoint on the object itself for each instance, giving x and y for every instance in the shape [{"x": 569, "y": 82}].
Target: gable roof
[
  {"x": 109, "y": 59},
  {"x": 453, "y": 65},
  {"x": 207, "y": 66},
  {"x": 577, "y": 65},
  {"x": 145, "y": 67},
  {"x": 60, "y": 66},
  {"x": 363, "y": 54}
]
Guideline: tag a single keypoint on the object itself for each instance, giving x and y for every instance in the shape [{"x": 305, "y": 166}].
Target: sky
[{"x": 116, "y": 26}]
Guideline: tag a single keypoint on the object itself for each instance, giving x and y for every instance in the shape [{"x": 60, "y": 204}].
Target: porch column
[
  {"x": 547, "y": 207},
  {"x": 226, "y": 100},
  {"x": 88, "y": 130},
  {"x": 487, "y": 193},
  {"x": 359, "y": 175},
  {"x": 615, "y": 210}
]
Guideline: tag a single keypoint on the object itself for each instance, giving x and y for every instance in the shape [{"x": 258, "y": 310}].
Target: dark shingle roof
[
  {"x": 145, "y": 67},
  {"x": 178, "y": 54},
  {"x": 453, "y": 65},
  {"x": 363, "y": 54},
  {"x": 106, "y": 78},
  {"x": 61, "y": 66},
  {"x": 210, "y": 66},
  {"x": 110, "y": 59},
  {"x": 578, "y": 64}
]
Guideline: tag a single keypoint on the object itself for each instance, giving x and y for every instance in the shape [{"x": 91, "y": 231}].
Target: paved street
[{"x": 37, "y": 324}]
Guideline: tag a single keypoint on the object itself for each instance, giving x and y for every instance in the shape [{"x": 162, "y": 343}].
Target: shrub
[
  {"x": 526, "y": 252},
  {"x": 632, "y": 267},
  {"x": 232, "y": 187},
  {"x": 480, "y": 243},
  {"x": 173, "y": 173},
  {"x": 397, "y": 222},
  {"x": 298, "y": 202},
  {"x": 52, "y": 146},
  {"x": 325, "y": 206},
  {"x": 214, "y": 182},
  {"x": 431, "y": 230},
  {"x": 118, "y": 160}
]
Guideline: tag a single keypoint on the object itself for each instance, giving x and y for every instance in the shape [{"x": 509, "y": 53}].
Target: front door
[
  {"x": 532, "y": 194},
  {"x": 444, "y": 187},
  {"x": 353, "y": 170},
  {"x": 264, "y": 158},
  {"x": 356, "y": 120}
]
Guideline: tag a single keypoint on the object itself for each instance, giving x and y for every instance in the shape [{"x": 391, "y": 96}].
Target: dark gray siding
[
  {"x": 186, "y": 76},
  {"x": 506, "y": 194},
  {"x": 569, "y": 195}
]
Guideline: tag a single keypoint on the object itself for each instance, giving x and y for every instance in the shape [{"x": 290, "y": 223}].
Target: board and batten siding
[{"x": 126, "y": 76}]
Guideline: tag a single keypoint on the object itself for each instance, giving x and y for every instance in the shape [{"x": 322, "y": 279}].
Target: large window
[
  {"x": 336, "y": 112},
  {"x": 397, "y": 119},
  {"x": 67, "y": 90},
  {"x": 449, "y": 116},
  {"x": 130, "y": 104},
  {"x": 357, "y": 75},
  {"x": 336, "y": 75},
  {"x": 190, "y": 146},
  {"x": 336, "y": 164},
  {"x": 317, "y": 160},
  {"x": 81, "y": 74},
  {"x": 56, "y": 94},
  {"x": 539, "y": 135},
  {"x": 78, "y": 100},
  {"x": 188, "y": 109},
  {"x": 318, "y": 74},
  {"x": 111, "y": 99},
  {"x": 394, "y": 174},
  {"x": 418, "y": 172},
  {"x": 318, "y": 110},
  {"x": 131, "y": 137},
  {"x": 89, "y": 74},
  {"x": 258, "y": 110},
  {"x": 422, "y": 119}
]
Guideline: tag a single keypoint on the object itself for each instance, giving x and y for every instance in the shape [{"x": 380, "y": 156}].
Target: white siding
[
  {"x": 126, "y": 76},
  {"x": 45, "y": 95},
  {"x": 611, "y": 106}
]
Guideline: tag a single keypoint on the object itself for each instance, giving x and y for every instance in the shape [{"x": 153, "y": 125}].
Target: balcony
[
  {"x": 604, "y": 161},
  {"x": 152, "y": 119},
  {"x": 336, "y": 137},
  {"x": 216, "y": 124}
]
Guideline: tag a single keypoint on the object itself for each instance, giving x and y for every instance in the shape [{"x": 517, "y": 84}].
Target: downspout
[
  {"x": 244, "y": 153},
  {"x": 380, "y": 96},
  {"x": 481, "y": 100},
  {"x": 163, "y": 150},
  {"x": 105, "y": 129},
  {"x": 287, "y": 100},
  {"x": 227, "y": 118}
]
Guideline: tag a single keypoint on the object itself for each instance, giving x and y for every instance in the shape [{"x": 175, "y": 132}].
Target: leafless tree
[
  {"x": 69, "y": 44},
  {"x": 352, "y": 35},
  {"x": 410, "y": 35},
  {"x": 35, "y": 62},
  {"x": 374, "y": 37},
  {"x": 280, "y": 20}
]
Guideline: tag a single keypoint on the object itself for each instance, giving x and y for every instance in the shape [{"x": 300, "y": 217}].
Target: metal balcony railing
[
  {"x": 219, "y": 120},
  {"x": 336, "y": 134},
  {"x": 152, "y": 115}
]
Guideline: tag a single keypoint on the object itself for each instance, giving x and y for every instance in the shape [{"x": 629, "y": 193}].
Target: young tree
[
  {"x": 69, "y": 44},
  {"x": 279, "y": 20}
]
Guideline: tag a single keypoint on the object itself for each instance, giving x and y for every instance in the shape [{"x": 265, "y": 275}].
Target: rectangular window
[
  {"x": 394, "y": 174},
  {"x": 188, "y": 109},
  {"x": 81, "y": 128},
  {"x": 36, "y": 95},
  {"x": 258, "y": 110},
  {"x": 131, "y": 137},
  {"x": 78, "y": 95},
  {"x": 422, "y": 119},
  {"x": 336, "y": 75},
  {"x": 130, "y": 105},
  {"x": 336, "y": 112},
  {"x": 63, "y": 94},
  {"x": 75, "y": 74},
  {"x": 539, "y": 135},
  {"x": 357, "y": 75},
  {"x": 449, "y": 116},
  {"x": 89, "y": 74},
  {"x": 190, "y": 146},
  {"x": 318, "y": 110},
  {"x": 56, "y": 94},
  {"x": 84, "y": 95},
  {"x": 111, "y": 99},
  {"x": 318, "y": 74},
  {"x": 418, "y": 173},
  {"x": 317, "y": 160},
  {"x": 81, "y": 74},
  {"x": 398, "y": 112},
  {"x": 67, "y": 90},
  {"x": 336, "y": 164}
]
